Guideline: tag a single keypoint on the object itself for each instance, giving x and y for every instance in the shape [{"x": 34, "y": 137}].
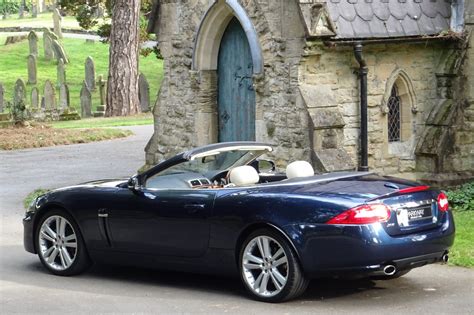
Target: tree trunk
[{"x": 122, "y": 85}]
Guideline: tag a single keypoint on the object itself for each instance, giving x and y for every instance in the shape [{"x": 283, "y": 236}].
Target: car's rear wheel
[
  {"x": 60, "y": 245},
  {"x": 269, "y": 267}
]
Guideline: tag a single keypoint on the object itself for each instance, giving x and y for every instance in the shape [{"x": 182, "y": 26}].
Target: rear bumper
[{"x": 366, "y": 249}]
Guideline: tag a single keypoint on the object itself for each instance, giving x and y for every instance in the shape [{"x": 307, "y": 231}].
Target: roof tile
[
  {"x": 394, "y": 27},
  {"x": 388, "y": 18},
  {"x": 426, "y": 26},
  {"x": 397, "y": 9},
  {"x": 410, "y": 27},
  {"x": 377, "y": 28},
  {"x": 347, "y": 10},
  {"x": 381, "y": 10},
  {"x": 364, "y": 10},
  {"x": 361, "y": 28},
  {"x": 344, "y": 29},
  {"x": 428, "y": 8},
  {"x": 440, "y": 23},
  {"x": 413, "y": 9},
  {"x": 443, "y": 9},
  {"x": 333, "y": 12}
]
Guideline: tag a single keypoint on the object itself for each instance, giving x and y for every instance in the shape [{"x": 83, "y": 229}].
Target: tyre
[
  {"x": 269, "y": 267},
  {"x": 60, "y": 246}
]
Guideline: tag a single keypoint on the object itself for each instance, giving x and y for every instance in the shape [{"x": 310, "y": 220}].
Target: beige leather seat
[
  {"x": 244, "y": 176},
  {"x": 298, "y": 169}
]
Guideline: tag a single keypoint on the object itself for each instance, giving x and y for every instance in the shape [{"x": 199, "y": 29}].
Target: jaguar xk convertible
[{"x": 223, "y": 209}]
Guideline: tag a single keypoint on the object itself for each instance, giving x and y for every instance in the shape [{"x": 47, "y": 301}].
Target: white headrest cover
[
  {"x": 244, "y": 176},
  {"x": 299, "y": 169}
]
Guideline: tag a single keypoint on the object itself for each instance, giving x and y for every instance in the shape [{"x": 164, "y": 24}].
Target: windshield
[{"x": 218, "y": 161}]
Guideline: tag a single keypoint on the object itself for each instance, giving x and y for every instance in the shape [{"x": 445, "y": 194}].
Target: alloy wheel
[
  {"x": 57, "y": 243},
  {"x": 265, "y": 266}
]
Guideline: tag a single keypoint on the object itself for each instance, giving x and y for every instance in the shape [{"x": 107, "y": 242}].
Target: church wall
[
  {"x": 330, "y": 73},
  {"x": 185, "y": 112}
]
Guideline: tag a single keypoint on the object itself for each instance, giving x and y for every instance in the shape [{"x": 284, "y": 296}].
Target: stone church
[{"x": 386, "y": 85}]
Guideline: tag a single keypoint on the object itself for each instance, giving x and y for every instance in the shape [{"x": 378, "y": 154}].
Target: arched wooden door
[{"x": 236, "y": 94}]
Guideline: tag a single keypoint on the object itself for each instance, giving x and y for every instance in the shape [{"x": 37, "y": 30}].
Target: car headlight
[{"x": 32, "y": 207}]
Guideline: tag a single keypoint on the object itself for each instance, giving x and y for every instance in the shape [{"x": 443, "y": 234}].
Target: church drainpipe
[{"x": 363, "y": 70}]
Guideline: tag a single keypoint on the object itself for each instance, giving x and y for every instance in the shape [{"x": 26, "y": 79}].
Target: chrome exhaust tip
[
  {"x": 389, "y": 270},
  {"x": 445, "y": 258}
]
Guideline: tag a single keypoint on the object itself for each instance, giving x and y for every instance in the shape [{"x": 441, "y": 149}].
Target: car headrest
[
  {"x": 299, "y": 169},
  {"x": 244, "y": 176}
]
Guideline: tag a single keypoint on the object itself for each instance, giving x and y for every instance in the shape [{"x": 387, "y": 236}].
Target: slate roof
[{"x": 357, "y": 19}]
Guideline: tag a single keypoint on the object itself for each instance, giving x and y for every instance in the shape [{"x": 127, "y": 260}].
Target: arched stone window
[
  {"x": 399, "y": 108},
  {"x": 394, "y": 115}
]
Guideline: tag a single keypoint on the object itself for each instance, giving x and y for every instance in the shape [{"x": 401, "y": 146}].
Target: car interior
[{"x": 240, "y": 176}]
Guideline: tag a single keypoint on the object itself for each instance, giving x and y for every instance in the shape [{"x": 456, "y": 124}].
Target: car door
[{"x": 165, "y": 222}]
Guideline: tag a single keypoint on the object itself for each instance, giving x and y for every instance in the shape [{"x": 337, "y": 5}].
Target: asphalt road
[{"x": 25, "y": 287}]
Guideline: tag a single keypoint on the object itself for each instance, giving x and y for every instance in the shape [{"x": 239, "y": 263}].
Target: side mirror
[
  {"x": 133, "y": 184},
  {"x": 266, "y": 166}
]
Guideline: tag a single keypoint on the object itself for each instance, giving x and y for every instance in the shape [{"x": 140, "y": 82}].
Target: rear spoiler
[{"x": 402, "y": 191}]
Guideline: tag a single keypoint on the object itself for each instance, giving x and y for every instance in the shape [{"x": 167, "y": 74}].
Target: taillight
[
  {"x": 364, "y": 214},
  {"x": 443, "y": 204}
]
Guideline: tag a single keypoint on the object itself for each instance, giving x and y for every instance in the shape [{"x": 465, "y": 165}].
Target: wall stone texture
[{"x": 307, "y": 97}]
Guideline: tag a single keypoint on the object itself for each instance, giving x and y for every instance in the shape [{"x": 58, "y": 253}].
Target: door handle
[{"x": 194, "y": 207}]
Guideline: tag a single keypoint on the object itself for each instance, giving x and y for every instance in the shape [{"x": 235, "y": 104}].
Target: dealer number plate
[{"x": 406, "y": 217}]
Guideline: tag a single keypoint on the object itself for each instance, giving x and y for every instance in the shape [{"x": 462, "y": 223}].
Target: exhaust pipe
[
  {"x": 445, "y": 258},
  {"x": 389, "y": 270}
]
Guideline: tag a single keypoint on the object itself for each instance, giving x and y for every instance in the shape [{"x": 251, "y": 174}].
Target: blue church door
[{"x": 236, "y": 96}]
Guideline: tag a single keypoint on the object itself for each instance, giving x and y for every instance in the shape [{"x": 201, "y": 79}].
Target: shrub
[{"x": 462, "y": 198}]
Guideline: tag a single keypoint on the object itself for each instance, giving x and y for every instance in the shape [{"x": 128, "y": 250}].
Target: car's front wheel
[
  {"x": 269, "y": 267},
  {"x": 60, "y": 245}
]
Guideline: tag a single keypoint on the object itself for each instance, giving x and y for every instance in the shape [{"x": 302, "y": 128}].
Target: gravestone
[
  {"x": 19, "y": 94},
  {"x": 43, "y": 103},
  {"x": 86, "y": 101},
  {"x": 32, "y": 69},
  {"x": 61, "y": 73},
  {"x": 21, "y": 11},
  {"x": 102, "y": 83},
  {"x": 144, "y": 93},
  {"x": 47, "y": 44},
  {"x": 35, "y": 98},
  {"x": 49, "y": 96},
  {"x": 33, "y": 43},
  {"x": 63, "y": 96},
  {"x": 57, "y": 19},
  {"x": 34, "y": 9},
  {"x": 59, "y": 51},
  {"x": 90, "y": 73},
  {"x": 2, "y": 92},
  {"x": 15, "y": 39}
]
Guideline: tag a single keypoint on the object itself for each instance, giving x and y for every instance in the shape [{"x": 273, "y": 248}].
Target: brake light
[
  {"x": 443, "y": 204},
  {"x": 413, "y": 189},
  {"x": 365, "y": 214}
]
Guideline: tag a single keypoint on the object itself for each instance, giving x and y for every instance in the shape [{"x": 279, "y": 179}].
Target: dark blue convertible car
[{"x": 224, "y": 209}]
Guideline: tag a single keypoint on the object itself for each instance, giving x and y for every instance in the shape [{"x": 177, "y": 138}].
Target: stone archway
[
  {"x": 205, "y": 61},
  {"x": 211, "y": 29}
]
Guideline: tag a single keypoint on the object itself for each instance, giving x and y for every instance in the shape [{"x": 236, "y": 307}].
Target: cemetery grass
[
  {"x": 43, "y": 20},
  {"x": 40, "y": 135},
  {"x": 13, "y": 65},
  {"x": 141, "y": 119}
]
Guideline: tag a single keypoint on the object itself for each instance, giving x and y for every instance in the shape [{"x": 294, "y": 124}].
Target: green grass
[
  {"x": 462, "y": 252},
  {"x": 33, "y": 195},
  {"x": 13, "y": 65},
  {"x": 43, "y": 20},
  {"x": 142, "y": 119}
]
